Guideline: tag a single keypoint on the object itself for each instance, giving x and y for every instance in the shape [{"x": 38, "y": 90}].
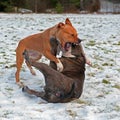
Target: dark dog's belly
[{"x": 74, "y": 68}]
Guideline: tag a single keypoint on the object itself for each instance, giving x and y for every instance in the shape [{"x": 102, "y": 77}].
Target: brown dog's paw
[
  {"x": 60, "y": 66},
  {"x": 20, "y": 84}
]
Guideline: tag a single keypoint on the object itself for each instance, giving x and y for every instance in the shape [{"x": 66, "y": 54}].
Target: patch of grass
[
  {"x": 6, "y": 113},
  {"x": 99, "y": 96},
  {"x": 1, "y": 62},
  {"x": 107, "y": 92},
  {"x": 80, "y": 101},
  {"x": 117, "y": 86},
  {"x": 92, "y": 74},
  {"x": 91, "y": 43},
  {"x": 78, "y": 22},
  {"x": 14, "y": 65},
  {"x": 117, "y": 108},
  {"x": 107, "y": 76},
  {"x": 9, "y": 89},
  {"x": 107, "y": 64},
  {"x": 118, "y": 70},
  {"x": 117, "y": 43},
  {"x": 106, "y": 81},
  {"x": 97, "y": 66},
  {"x": 72, "y": 113}
]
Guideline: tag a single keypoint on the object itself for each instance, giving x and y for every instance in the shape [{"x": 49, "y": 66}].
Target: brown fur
[
  {"x": 41, "y": 42},
  {"x": 65, "y": 86}
]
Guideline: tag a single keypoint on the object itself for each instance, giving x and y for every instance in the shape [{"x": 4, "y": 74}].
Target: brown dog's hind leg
[{"x": 19, "y": 62}]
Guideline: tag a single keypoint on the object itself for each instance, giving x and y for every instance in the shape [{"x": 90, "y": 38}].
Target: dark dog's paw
[{"x": 24, "y": 89}]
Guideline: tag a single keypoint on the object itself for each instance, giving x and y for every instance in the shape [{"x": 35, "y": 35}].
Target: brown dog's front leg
[
  {"x": 59, "y": 66},
  {"x": 56, "y": 60}
]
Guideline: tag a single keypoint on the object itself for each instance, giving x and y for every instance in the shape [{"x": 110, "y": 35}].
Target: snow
[{"x": 101, "y": 95}]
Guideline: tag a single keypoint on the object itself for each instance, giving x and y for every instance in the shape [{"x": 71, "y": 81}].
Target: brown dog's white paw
[
  {"x": 60, "y": 66},
  {"x": 20, "y": 84}
]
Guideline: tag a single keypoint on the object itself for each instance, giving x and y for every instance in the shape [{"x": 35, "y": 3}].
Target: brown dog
[
  {"x": 41, "y": 42},
  {"x": 65, "y": 86}
]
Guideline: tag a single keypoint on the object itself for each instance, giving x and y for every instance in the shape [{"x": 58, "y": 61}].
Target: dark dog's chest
[{"x": 73, "y": 65}]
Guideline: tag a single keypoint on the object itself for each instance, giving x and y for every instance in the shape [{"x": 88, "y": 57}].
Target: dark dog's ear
[
  {"x": 61, "y": 25},
  {"x": 67, "y": 21}
]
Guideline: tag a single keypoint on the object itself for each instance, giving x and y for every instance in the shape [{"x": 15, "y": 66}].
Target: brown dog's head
[{"x": 66, "y": 33}]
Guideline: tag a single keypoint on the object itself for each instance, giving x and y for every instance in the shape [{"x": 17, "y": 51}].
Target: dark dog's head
[{"x": 69, "y": 44}]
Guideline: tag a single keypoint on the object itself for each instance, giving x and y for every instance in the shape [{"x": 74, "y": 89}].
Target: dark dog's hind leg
[
  {"x": 27, "y": 60},
  {"x": 33, "y": 92}
]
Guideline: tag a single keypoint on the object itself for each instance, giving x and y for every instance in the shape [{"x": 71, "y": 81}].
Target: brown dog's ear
[
  {"x": 61, "y": 25},
  {"x": 67, "y": 21}
]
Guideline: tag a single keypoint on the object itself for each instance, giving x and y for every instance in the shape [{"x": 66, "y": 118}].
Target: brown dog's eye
[{"x": 72, "y": 35}]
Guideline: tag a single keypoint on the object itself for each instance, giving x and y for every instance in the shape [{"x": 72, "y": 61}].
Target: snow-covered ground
[{"x": 101, "y": 96}]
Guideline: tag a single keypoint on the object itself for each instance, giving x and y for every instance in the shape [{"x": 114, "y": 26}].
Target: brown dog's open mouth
[{"x": 67, "y": 46}]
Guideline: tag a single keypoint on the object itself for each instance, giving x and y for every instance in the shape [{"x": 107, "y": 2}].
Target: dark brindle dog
[{"x": 65, "y": 86}]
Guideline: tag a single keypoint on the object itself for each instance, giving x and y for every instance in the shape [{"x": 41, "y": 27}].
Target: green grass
[
  {"x": 106, "y": 81},
  {"x": 91, "y": 43},
  {"x": 117, "y": 86}
]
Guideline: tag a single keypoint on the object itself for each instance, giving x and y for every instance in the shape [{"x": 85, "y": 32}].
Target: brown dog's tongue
[{"x": 67, "y": 46}]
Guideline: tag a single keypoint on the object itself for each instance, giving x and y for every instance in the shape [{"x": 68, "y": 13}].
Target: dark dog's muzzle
[
  {"x": 69, "y": 44},
  {"x": 79, "y": 40}
]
